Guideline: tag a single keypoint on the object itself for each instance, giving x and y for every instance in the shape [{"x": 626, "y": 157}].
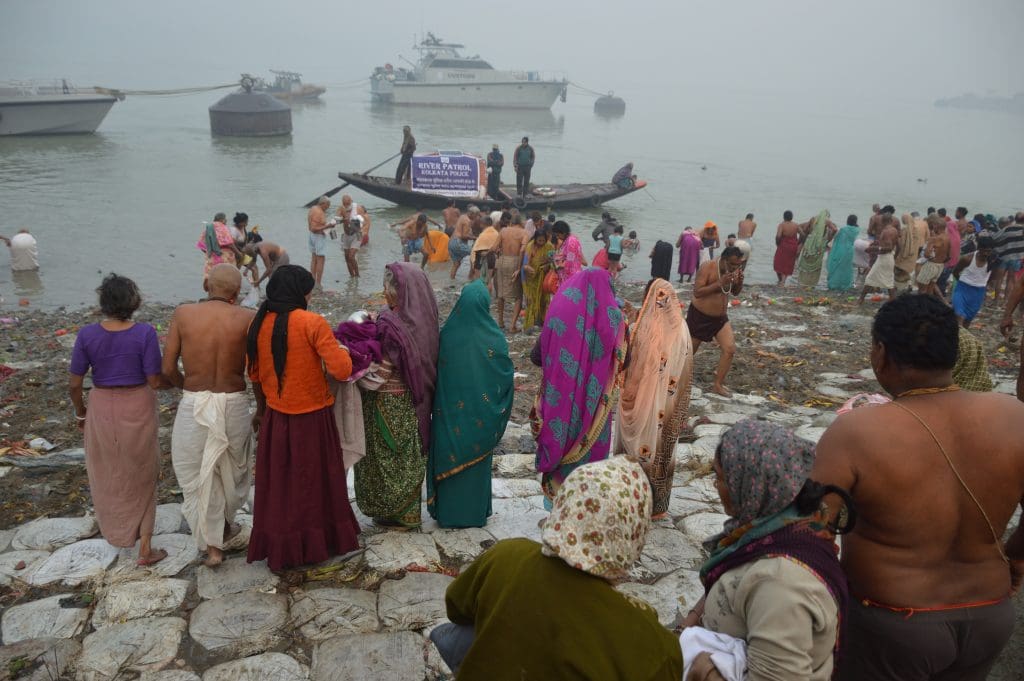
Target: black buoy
[
  {"x": 250, "y": 114},
  {"x": 610, "y": 105}
]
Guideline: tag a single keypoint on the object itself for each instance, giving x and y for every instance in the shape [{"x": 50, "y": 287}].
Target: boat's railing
[
  {"x": 56, "y": 86},
  {"x": 541, "y": 76}
]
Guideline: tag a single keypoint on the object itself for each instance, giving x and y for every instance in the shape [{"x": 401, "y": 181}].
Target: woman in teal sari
[
  {"x": 472, "y": 405},
  {"x": 813, "y": 251},
  {"x": 840, "y": 258}
]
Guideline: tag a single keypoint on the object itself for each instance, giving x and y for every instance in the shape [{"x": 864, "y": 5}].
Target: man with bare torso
[
  {"x": 707, "y": 316},
  {"x": 460, "y": 245},
  {"x": 882, "y": 275},
  {"x": 210, "y": 440},
  {"x": 746, "y": 227},
  {"x": 508, "y": 285},
  {"x": 934, "y": 477},
  {"x": 936, "y": 252},
  {"x": 451, "y": 216},
  {"x": 272, "y": 255},
  {"x": 318, "y": 225}
]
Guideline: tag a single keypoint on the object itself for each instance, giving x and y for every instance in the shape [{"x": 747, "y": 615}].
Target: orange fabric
[
  {"x": 435, "y": 246},
  {"x": 311, "y": 347},
  {"x": 868, "y": 603}
]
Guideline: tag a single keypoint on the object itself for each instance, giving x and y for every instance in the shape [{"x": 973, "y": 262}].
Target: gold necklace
[{"x": 952, "y": 388}]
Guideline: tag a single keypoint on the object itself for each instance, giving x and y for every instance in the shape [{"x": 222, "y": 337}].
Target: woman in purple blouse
[{"x": 122, "y": 455}]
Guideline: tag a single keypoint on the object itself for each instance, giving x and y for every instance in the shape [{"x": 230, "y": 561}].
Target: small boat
[
  {"x": 31, "y": 108},
  {"x": 555, "y": 197},
  {"x": 289, "y": 85}
]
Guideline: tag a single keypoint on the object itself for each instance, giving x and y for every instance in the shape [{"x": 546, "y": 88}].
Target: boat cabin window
[{"x": 461, "y": 64}]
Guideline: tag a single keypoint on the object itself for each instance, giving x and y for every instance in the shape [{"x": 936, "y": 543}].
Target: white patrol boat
[{"x": 443, "y": 77}]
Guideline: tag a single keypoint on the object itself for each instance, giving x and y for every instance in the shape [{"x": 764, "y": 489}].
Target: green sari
[
  {"x": 539, "y": 258},
  {"x": 388, "y": 478},
  {"x": 813, "y": 251},
  {"x": 472, "y": 405}
]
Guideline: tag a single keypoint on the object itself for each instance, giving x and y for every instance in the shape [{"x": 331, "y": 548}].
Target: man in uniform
[{"x": 523, "y": 159}]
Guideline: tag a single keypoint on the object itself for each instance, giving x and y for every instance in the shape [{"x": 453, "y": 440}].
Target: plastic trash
[{"x": 42, "y": 444}]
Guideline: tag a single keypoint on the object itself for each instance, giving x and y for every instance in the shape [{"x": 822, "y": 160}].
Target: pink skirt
[{"x": 122, "y": 459}]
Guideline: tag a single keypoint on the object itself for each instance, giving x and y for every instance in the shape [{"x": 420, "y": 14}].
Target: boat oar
[{"x": 332, "y": 192}]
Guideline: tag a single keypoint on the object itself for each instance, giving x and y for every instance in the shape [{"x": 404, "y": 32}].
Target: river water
[{"x": 132, "y": 197}]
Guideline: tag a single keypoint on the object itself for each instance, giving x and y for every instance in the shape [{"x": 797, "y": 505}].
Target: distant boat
[
  {"x": 289, "y": 85},
  {"x": 1013, "y": 104},
  {"x": 554, "y": 197},
  {"x": 32, "y": 108},
  {"x": 443, "y": 77}
]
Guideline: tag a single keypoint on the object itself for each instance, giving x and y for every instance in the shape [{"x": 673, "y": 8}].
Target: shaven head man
[
  {"x": 213, "y": 423},
  {"x": 934, "y": 477}
]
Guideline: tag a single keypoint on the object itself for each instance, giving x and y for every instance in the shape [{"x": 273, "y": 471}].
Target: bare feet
[
  {"x": 152, "y": 558},
  {"x": 214, "y": 557},
  {"x": 514, "y": 329},
  {"x": 721, "y": 390}
]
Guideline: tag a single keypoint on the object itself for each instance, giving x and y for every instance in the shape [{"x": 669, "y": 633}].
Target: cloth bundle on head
[
  {"x": 655, "y": 393},
  {"x": 409, "y": 337},
  {"x": 286, "y": 291},
  {"x": 600, "y": 518}
]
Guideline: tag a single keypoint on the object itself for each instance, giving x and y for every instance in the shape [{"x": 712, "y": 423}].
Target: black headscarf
[{"x": 286, "y": 291}]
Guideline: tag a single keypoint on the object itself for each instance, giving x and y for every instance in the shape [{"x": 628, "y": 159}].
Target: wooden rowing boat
[{"x": 566, "y": 196}]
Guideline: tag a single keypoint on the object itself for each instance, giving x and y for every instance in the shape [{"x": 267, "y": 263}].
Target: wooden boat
[{"x": 557, "y": 196}]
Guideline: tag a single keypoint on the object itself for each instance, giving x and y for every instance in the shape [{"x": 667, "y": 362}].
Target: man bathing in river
[
  {"x": 935, "y": 477},
  {"x": 707, "y": 316},
  {"x": 272, "y": 255},
  {"x": 747, "y": 227},
  {"x": 213, "y": 423},
  {"x": 316, "y": 221}
]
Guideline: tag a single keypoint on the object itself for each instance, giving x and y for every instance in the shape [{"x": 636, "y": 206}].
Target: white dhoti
[
  {"x": 882, "y": 274},
  {"x": 211, "y": 452}
]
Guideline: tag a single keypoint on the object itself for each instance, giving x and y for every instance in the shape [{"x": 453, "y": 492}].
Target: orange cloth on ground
[
  {"x": 435, "y": 246},
  {"x": 311, "y": 346}
]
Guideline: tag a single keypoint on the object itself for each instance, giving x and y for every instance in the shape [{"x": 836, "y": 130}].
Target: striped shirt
[{"x": 1010, "y": 243}]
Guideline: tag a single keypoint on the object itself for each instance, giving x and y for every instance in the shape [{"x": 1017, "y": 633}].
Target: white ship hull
[
  {"x": 516, "y": 94},
  {"x": 57, "y": 114}
]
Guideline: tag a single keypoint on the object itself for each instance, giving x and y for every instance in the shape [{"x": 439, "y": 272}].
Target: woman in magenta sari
[
  {"x": 218, "y": 244},
  {"x": 569, "y": 257},
  {"x": 582, "y": 348},
  {"x": 689, "y": 253}
]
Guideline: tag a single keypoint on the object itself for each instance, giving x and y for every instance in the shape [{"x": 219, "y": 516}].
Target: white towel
[{"x": 729, "y": 654}]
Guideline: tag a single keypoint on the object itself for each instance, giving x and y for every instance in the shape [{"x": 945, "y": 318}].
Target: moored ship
[{"x": 443, "y": 77}]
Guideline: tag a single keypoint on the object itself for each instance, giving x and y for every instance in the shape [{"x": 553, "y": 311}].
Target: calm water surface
[{"x": 132, "y": 198}]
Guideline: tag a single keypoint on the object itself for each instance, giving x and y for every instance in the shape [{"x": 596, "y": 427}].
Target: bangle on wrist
[{"x": 80, "y": 418}]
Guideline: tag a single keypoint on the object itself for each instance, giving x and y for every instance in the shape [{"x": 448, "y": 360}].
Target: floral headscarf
[
  {"x": 765, "y": 467},
  {"x": 600, "y": 518}
]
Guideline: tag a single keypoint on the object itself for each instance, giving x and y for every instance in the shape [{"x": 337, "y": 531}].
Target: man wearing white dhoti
[{"x": 211, "y": 441}]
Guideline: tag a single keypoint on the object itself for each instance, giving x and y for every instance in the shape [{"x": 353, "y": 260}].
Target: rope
[
  {"x": 349, "y": 84},
  {"x": 161, "y": 93},
  {"x": 995, "y": 535},
  {"x": 588, "y": 90}
]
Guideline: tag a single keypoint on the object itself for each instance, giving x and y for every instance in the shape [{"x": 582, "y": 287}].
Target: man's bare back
[
  {"x": 210, "y": 338},
  {"x": 463, "y": 229},
  {"x": 746, "y": 229},
  {"x": 920, "y": 540},
  {"x": 788, "y": 229},
  {"x": 888, "y": 239},
  {"x": 511, "y": 240},
  {"x": 451, "y": 216}
]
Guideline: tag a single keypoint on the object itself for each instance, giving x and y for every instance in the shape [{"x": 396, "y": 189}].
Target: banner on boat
[{"x": 448, "y": 175}]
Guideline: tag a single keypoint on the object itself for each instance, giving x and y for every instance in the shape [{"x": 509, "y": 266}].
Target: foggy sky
[{"x": 907, "y": 49}]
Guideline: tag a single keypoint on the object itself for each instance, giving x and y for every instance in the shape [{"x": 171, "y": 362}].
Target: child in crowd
[
  {"x": 615, "y": 251},
  {"x": 632, "y": 243}
]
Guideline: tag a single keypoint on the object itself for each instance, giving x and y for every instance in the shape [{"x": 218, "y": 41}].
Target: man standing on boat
[
  {"x": 523, "y": 159},
  {"x": 495, "y": 161},
  {"x": 407, "y": 150}
]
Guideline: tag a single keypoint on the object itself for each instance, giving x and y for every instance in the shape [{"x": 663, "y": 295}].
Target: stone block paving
[{"x": 88, "y": 612}]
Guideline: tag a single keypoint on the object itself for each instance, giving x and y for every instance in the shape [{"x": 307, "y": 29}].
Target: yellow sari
[{"x": 538, "y": 258}]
